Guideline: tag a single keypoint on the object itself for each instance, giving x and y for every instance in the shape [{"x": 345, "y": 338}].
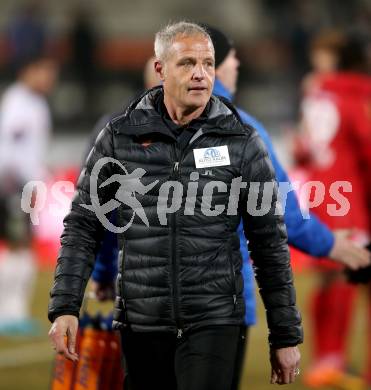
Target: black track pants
[
  {"x": 240, "y": 357},
  {"x": 201, "y": 359}
]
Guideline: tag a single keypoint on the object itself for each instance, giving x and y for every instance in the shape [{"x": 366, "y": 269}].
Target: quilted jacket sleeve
[
  {"x": 82, "y": 234},
  {"x": 267, "y": 237}
]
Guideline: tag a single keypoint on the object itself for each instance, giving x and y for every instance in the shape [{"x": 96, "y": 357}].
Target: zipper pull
[
  {"x": 180, "y": 334},
  {"x": 234, "y": 300},
  {"x": 176, "y": 167}
]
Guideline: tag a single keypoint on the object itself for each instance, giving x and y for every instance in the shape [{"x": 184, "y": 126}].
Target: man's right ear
[{"x": 159, "y": 69}]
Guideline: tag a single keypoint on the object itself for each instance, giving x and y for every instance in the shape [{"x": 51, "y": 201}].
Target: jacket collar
[{"x": 141, "y": 117}]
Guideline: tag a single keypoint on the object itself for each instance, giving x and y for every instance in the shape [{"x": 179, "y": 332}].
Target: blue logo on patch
[{"x": 212, "y": 153}]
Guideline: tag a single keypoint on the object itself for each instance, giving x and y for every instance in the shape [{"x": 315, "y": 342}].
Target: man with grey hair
[{"x": 180, "y": 304}]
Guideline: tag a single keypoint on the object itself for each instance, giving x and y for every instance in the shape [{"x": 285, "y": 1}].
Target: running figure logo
[{"x": 130, "y": 184}]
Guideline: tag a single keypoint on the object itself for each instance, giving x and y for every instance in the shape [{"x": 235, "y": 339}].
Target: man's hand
[
  {"x": 103, "y": 291},
  {"x": 347, "y": 253},
  {"x": 65, "y": 327},
  {"x": 285, "y": 365}
]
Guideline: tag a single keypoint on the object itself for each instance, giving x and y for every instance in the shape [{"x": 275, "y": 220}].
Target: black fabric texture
[
  {"x": 182, "y": 272},
  {"x": 202, "y": 359}
]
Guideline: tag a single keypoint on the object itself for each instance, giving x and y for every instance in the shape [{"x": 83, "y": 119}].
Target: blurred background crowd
[{"x": 84, "y": 59}]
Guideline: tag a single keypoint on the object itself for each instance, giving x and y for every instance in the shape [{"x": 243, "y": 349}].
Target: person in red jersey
[{"x": 334, "y": 147}]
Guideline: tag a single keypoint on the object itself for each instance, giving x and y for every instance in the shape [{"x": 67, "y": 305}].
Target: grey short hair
[{"x": 166, "y": 36}]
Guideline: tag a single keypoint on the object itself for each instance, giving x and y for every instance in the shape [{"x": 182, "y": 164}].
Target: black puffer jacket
[{"x": 186, "y": 273}]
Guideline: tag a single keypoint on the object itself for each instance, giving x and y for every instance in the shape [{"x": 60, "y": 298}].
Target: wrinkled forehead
[{"x": 193, "y": 45}]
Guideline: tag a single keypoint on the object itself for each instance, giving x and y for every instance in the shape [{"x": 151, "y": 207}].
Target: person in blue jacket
[{"x": 308, "y": 235}]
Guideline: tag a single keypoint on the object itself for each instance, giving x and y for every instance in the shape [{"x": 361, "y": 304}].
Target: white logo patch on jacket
[{"x": 211, "y": 157}]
